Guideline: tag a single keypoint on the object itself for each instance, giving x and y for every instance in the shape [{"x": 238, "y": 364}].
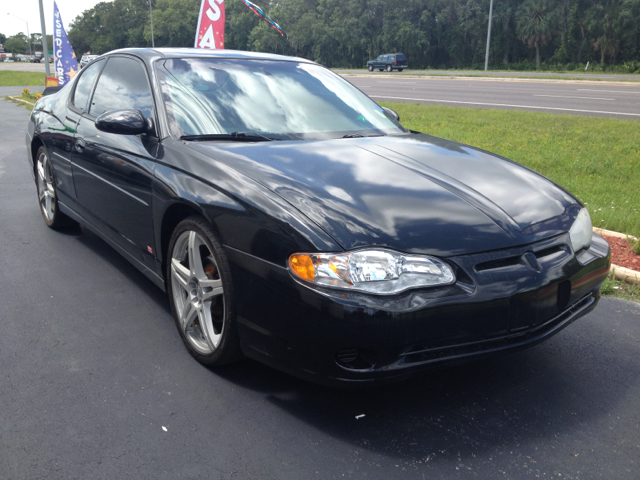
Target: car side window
[
  {"x": 84, "y": 85},
  {"x": 123, "y": 85}
]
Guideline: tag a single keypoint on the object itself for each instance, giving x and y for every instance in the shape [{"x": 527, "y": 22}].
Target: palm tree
[
  {"x": 608, "y": 19},
  {"x": 536, "y": 24}
]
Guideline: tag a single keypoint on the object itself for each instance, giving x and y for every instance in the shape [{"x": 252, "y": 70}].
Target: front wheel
[
  {"x": 389, "y": 69},
  {"x": 47, "y": 196},
  {"x": 371, "y": 68},
  {"x": 201, "y": 293}
]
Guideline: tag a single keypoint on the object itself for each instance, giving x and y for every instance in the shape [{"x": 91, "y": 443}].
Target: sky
[{"x": 29, "y": 10}]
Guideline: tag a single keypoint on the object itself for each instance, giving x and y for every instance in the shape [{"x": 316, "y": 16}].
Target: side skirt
[{"x": 151, "y": 275}]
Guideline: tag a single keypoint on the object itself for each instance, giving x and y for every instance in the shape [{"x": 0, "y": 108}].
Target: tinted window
[
  {"x": 123, "y": 85},
  {"x": 83, "y": 87},
  {"x": 401, "y": 58}
]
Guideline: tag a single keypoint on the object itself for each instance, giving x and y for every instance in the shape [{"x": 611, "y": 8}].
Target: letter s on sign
[{"x": 214, "y": 15}]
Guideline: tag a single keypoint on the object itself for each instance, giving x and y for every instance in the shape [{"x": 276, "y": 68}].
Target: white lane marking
[
  {"x": 506, "y": 105},
  {"x": 568, "y": 96},
  {"x": 608, "y": 91}
]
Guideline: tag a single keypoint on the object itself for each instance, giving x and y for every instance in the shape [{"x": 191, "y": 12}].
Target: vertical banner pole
[
  {"x": 45, "y": 45},
  {"x": 486, "y": 57}
]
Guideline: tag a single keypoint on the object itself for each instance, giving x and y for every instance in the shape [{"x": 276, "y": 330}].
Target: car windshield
[{"x": 279, "y": 99}]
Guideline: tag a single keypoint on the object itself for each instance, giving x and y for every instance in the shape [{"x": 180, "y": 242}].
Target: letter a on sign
[{"x": 210, "y": 33}]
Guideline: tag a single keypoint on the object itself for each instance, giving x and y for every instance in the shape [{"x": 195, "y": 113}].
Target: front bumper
[{"x": 502, "y": 301}]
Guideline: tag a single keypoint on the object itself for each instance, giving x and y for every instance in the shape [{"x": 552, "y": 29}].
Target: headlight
[
  {"x": 374, "y": 271},
  {"x": 581, "y": 231}
]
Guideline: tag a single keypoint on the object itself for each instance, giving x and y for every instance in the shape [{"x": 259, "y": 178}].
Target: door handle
[{"x": 80, "y": 144}]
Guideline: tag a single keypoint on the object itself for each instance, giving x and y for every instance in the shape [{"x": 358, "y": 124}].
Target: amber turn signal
[{"x": 302, "y": 265}]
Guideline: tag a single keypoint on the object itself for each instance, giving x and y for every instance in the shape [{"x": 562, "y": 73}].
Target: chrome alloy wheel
[
  {"x": 46, "y": 188},
  {"x": 197, "y": 292}
]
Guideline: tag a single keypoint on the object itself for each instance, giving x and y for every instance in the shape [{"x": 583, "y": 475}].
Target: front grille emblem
[{"x": 530, "y": 260}]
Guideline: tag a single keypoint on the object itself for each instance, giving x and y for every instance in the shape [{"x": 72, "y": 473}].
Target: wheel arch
[
  {"x": 36, "y": 143},
  {"x": 173, "y": 215}
]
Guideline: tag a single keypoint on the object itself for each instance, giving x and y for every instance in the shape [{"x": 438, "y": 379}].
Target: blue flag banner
[{"x": 64, "y": 58}]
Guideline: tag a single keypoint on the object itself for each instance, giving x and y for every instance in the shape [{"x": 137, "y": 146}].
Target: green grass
[
  {"x": 618, "y": 289},
  {"x": 596, "y": 159},
  {"x": 9, "y": 78}
]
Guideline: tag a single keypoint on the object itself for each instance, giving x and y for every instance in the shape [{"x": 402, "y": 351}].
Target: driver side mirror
[
  {"x": 391, "y": 113},
  {"x": 124, "y": 122}
]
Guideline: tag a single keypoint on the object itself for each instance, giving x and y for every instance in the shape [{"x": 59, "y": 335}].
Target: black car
[
  {"x": 389, "y": 62},
  {"x": 294, "y": 221}
]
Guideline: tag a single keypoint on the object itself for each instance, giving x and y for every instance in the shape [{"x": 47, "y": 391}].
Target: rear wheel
[
  {"x": 371, "y": 68},
  {"x": 389, "y": 69},
  {"x": 400, "y": 69},
  {"x": 201, "y": 293},
  {"x": 47, "y": 197}
]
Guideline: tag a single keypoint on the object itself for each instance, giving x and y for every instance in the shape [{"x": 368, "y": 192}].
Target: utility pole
[
  {"x": 45, "y": 45},
  {"x": 28, "y": 34},
  {"x": 153, "y": 45},
  {"x": 486, "y": 58}
]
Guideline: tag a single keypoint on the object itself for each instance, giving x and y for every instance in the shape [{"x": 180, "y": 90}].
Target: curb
[
  {"x": 621, "y": 273},
  {"x": 21, "y": 100},
  {"x": 625, "y": 274}
]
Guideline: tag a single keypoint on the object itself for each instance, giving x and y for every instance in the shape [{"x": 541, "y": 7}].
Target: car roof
[{"x": 152, "y": 54}]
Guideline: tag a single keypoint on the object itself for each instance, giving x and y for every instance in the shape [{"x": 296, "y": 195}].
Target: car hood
[{"x": 413, "y": 193}]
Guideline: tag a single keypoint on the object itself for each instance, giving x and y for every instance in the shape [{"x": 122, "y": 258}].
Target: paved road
[
  {"x": 493, "y": 73},
  {"x": 618, "y": 101},
  {"x": 92, "y": 369},
  {"x": 4, "y": 91}
]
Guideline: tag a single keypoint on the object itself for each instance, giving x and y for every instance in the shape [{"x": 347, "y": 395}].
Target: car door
[
  {"x": 113, "y": 173},
  {"x": 61, "y": 133}
]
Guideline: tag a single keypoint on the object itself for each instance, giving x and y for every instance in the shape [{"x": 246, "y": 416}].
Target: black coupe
[{"x": 294, "y": 221}]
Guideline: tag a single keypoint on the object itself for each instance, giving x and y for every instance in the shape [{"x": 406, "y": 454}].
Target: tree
[
  {"x": 16, "y": 44},
  {"x": 3, "y": 38},
  {"x": 536, "y": 24},
  {"x": 608, "y": 20},
  {"x": 174, "y": 23}
]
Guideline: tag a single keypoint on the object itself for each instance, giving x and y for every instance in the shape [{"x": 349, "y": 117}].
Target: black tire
[
  {"x": 389, "y": 68},
  {"x": 381, "y": 69},
  {"x": 400, "y": 69},
  {"x": 228, "y": 348},
  {"x": 47, "y": 193},
  {"x": 371, "y": 68}
]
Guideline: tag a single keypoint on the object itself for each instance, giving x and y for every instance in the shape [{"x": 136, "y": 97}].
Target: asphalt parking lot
[{"x": 95, "y": 383}]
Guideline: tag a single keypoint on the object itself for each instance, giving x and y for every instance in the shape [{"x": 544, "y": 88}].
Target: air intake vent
[
  {"x": 547, "y": 252},
  {"x": 501, "y": 263}
]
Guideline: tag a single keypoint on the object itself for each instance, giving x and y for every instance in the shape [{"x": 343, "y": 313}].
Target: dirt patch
[{"x": 622, "y": 253}]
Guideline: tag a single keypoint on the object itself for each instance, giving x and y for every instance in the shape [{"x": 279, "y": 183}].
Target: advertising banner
[
  {"x": 210, "y": 32},
  {"x": 64, "y": 58}
]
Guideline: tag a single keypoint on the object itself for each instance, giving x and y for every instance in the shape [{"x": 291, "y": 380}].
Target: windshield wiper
[
  {"x": 359, "y": 135},
  {"x": 235, "y": 137}
]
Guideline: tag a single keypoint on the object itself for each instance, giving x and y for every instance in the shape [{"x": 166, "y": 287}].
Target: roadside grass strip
[
  {"x": 10, "y": 78},
  {"x": 596, "y": 159}
]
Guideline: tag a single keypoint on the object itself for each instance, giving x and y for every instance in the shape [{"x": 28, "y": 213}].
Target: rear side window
[
  {"x": 123, "y": 85},
  {"x": 85, "y": 82}
]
